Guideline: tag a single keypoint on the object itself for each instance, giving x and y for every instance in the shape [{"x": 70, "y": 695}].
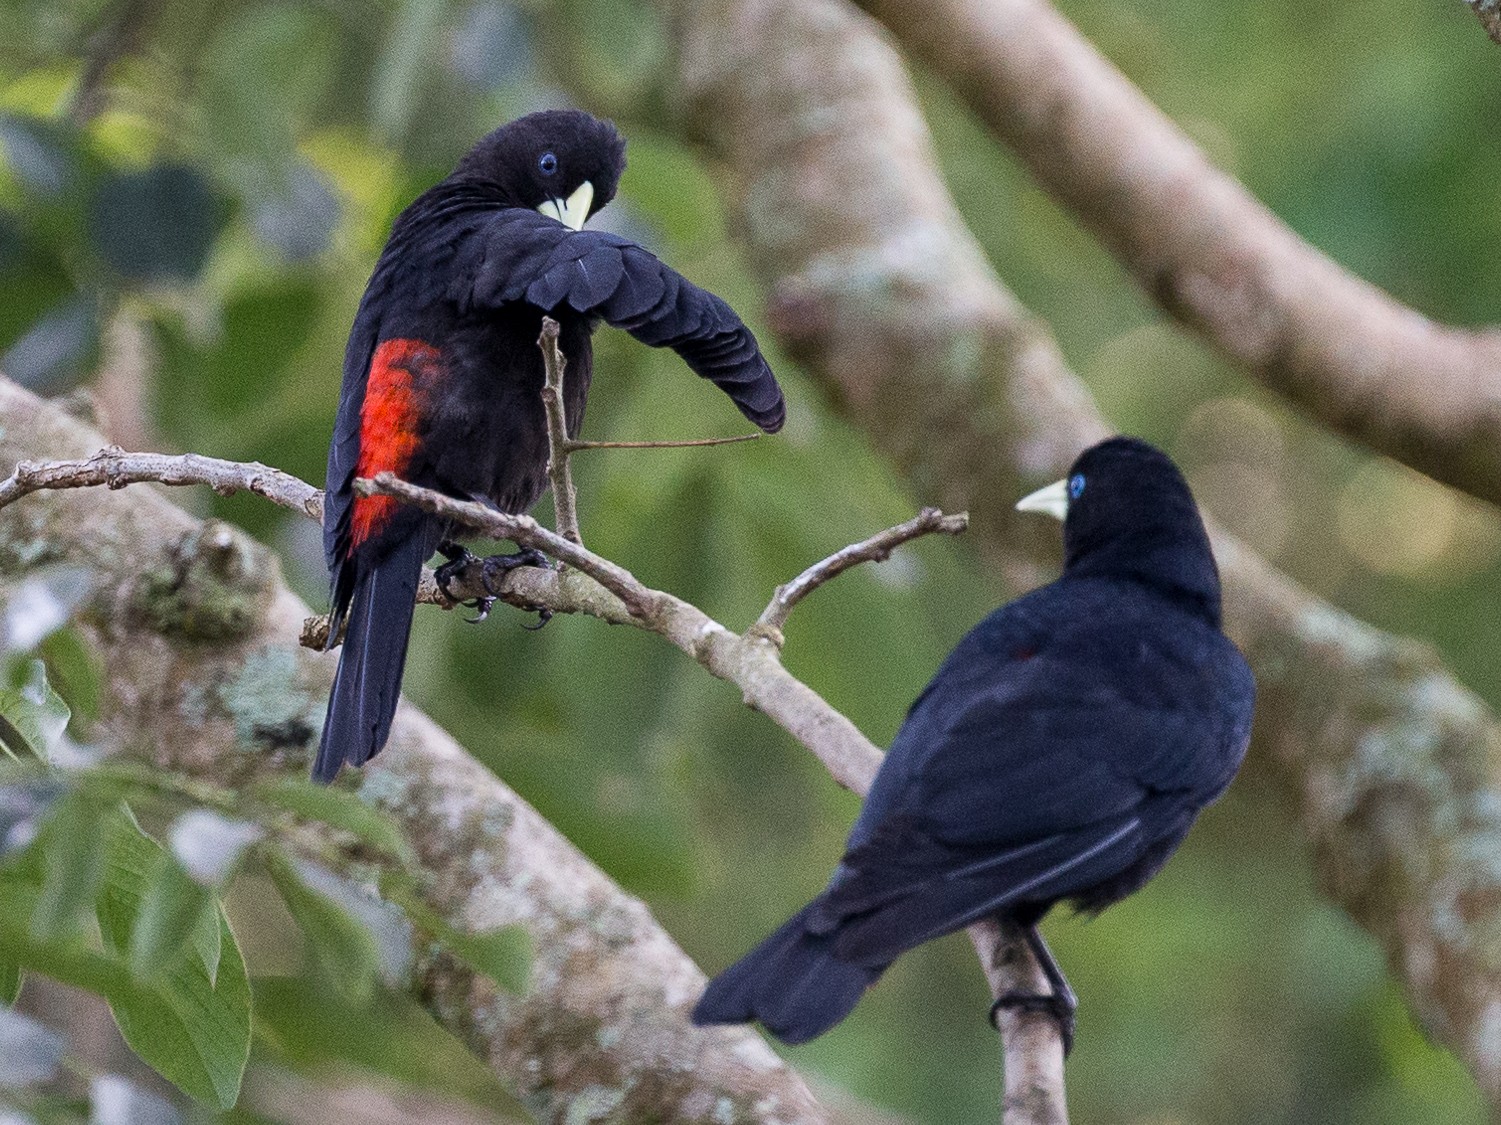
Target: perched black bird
[
  {"x": 443, "y": 378},
  {"x": 1061, "y": 752}
]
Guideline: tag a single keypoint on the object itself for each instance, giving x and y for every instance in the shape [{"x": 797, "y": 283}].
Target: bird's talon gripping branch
[
  {"x": 1059, "y": 1007},
  {"x": 496, "y": 567},
  {"x": 459, "y": 557}
]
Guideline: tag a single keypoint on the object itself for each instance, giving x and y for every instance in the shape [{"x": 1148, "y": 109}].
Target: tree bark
[{"x": 1207, "y": 251}]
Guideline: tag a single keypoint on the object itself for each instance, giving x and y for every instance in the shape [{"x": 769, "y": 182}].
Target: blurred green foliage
[{"x": 220, "y": 199}]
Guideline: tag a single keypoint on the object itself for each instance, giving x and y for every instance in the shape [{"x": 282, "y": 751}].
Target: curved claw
[
  {"x": 484, "y": 605},
  {"x": 544, "y": 615}
]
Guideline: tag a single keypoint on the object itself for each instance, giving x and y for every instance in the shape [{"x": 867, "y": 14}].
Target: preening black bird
[
  {"x": 443, "y": 378},
  {"x": 1061, "y": 753}
]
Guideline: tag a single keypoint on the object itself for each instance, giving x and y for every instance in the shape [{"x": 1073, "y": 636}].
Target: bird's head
[
  {"x": 1128, "y": 512},
  {"x": 562, "y": 162}
]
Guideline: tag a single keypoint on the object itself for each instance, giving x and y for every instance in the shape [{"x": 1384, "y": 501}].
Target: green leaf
[
  {"x": 503, "y": 955},
  {"x": 337, "y": 808},
  {"x": 71, "y": 854},
  {"x": 191, "y": 1024},
  {"x": 32, "y": 716},
  {"x": 69, "y": 961},
  {"x": 171, "y": 919},
  {"x": 156, "y": 224},
  {"x": 10, "y": 981},
  {"x": 342, "y": 946}
]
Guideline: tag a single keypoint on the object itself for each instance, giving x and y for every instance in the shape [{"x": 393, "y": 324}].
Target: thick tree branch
[
  {"x": 1198, "y": 243},
  {"x": 1489, "y": 12},
  {"x": 878, "y": 287},
  {"x": 203, "y": 673}
]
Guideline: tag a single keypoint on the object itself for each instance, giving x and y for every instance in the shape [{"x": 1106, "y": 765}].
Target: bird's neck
[{"x": 1178, "y": 567}]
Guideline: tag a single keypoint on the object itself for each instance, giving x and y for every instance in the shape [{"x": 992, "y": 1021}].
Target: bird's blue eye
[
  {"x": 548, "y": 163},
  {"x": 1076, "y": 486}
]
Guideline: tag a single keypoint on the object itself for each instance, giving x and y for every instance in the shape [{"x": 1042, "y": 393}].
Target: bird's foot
[
  {"x": 496, "y": 567},
  {"x": 459, "y": 557},
  {"x": 1061, "y": 1008}
]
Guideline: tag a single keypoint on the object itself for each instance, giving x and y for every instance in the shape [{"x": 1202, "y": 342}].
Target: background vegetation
[{"x": 189, "y": 236}]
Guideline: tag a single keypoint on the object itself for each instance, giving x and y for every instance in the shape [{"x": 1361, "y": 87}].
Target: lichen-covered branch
[
  {"x": 113, "y": 467},
  {"x": 203, "y": 674},
  {"x": 881, "y": 291},
  {"x": 1202, "y": 246},
  {"x": 1489, "y": 12}
]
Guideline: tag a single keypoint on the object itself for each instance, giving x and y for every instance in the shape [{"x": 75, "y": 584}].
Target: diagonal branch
[
  {"x": 1489, "y": 12},
  {"x": 877, "y": 548},
  {"x": 1207, "y": 251}
]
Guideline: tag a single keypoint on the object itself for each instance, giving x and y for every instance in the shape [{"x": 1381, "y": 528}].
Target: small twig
[
  {"x": 115, "y": 38},
  {"x": 877, "y": 548},
  {"x": 572, "y": 445},
  {"x": 564, "y": 498},
  {"x": 113, "y": 467}
]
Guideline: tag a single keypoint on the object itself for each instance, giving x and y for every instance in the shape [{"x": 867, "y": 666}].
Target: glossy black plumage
[
  {"x": 1061, "y": 752},
  {"x": 442, "y": 375}
]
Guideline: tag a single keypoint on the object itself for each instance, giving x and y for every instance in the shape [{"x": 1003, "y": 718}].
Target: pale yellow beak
[
  {"x": 1053, "y": 500},
  {"x": 571, "y": 212}
]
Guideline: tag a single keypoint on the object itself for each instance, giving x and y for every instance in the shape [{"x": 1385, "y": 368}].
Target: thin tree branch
[
  {"x": 573, "y": 445},
  {"x": 113, "y": 467},
  {"x": 564, "y": 498},
  {"x": 877, "y": 548},
  {"x": 1207, "y": 251},
  {"x": 1032, "y": 1066},
  {"x": 878, "y": 287}
]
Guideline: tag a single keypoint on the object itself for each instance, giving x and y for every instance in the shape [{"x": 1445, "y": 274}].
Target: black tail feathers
[
  {"x": 791, "y": 982},
  {"x": 368, "y": 683}
]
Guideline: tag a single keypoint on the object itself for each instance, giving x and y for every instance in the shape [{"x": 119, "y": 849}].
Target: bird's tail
[
  {"x": 368, "y": 683},
  {"x": 791, "y": 982}
]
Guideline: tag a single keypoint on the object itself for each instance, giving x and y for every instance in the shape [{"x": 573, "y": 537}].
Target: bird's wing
[
  {"x": 902, "y": 887},
  {"x": 382, "y": 407},
  {"x": 521, "y": 255},
  {"x": 1041, "y": 761},
  {"x": 344, "y": 449}
]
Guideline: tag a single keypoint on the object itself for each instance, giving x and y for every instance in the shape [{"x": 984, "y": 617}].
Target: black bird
[
  {"x": 1062, "y": 752},
  {"x": 443, "y": 378}
]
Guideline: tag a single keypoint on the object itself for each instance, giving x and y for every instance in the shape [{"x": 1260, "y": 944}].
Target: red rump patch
[{"x": 399, "y": 372}]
